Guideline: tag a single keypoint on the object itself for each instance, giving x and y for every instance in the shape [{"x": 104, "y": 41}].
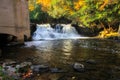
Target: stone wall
[{"x": 14, "y": 18}]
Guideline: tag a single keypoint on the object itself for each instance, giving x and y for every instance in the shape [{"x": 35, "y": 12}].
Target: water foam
[{"x": 61, "y": 31}]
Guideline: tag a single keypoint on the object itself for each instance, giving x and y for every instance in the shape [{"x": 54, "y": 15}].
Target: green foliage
[
  {"x": 37, "y": 15},
  {"x": 90, "y": 13},
  {"x": 57, "y": 9}
]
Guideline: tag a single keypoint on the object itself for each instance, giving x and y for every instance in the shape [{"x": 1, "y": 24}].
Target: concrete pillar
[
  {"x": 22, "y": 19},
  {"x": 14, "y": 18}
]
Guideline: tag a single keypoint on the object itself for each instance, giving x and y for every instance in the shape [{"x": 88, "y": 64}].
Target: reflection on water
[
  {"x": 67, "y": 48},
  {"x": 63, "y": 53}
]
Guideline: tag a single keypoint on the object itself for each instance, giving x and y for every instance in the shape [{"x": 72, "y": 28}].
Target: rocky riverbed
[
  {"x": 84, "y": 59},
  {"x": 28, "y": 70}
]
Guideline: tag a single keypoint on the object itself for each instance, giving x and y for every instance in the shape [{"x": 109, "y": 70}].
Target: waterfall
[{"x": 61, "y": 31}]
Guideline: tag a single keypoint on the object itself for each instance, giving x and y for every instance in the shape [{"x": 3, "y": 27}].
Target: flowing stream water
[
  {"x": 60, "y": 31},
  {"x": 101, "y": 58}
]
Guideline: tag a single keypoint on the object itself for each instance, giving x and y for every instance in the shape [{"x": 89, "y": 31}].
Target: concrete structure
[{"x": 14, "y": 18}]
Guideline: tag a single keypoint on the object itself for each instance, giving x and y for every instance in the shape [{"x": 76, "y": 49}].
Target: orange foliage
[
  {"x": 105, "y": 2},
  {"x": 44, "y": 3},
  {"x": 78, "y": 4}
]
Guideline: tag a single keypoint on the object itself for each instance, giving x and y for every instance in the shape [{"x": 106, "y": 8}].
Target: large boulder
[
  {"x": 86, "y": 31},
  {"x": 78, "y": 67},
  {"x": 32, "y": 28}
]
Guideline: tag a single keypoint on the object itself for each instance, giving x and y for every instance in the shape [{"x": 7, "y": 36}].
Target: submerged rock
[
  {"x": 9, "y": 62},
  {"x": 91, "y": 61},
  {"x": 117, "y": 68},
  {"x": 10, "y": 70},
  {"x": 29, "y": 59},
  {"x": 16, "y": 70},
  {"x": 25, "y": 64},
  {"x": 79, "y": 67},
  {"x": 39, "y": 68},
  {"x": 57, "y": 70}
]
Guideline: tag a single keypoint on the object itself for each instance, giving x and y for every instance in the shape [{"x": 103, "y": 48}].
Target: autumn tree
[
  {"x": 37, "y": 14},
  {"x": 86, "y": 12}
]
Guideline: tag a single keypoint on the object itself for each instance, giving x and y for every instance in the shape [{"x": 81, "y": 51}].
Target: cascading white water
[{"x": 61, "y": 31}]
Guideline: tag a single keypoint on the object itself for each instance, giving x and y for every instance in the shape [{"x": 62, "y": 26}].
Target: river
[
  {"x": 62, "y": 47},
  {"x": 105, "y": 56}
]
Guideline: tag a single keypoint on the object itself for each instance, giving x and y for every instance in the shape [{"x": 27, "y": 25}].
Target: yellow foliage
[
  {"x": 38, "y": 1},
  {"x": 44, "y": 3},
  {"x": 31, "y": 7},
  {"x": 65, "y": 7},
  {"x": 78, "y": 4},
  {"x": 71, "y": 12},
  {"x": 106, "y": 33}
]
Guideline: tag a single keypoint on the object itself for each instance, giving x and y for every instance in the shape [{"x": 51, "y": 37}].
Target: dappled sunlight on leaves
[{"x": 106, "y": 33}]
